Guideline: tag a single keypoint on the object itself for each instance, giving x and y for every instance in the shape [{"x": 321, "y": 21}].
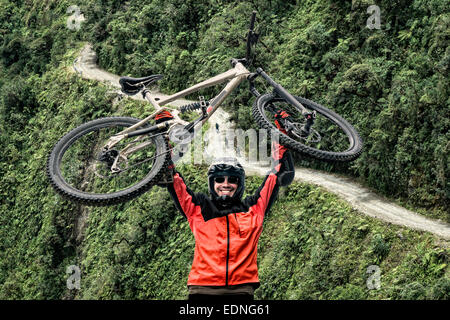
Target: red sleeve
[
  {"x": 282, "y": 174},
  {"x": 264, "y": 197},
  {"x": 185, "y": 200}
]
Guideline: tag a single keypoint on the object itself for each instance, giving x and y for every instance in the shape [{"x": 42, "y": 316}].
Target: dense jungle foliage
[{"x": 391, "y": 83}]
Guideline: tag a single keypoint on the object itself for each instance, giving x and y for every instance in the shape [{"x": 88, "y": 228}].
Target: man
[{"x": 227, "y": 228}]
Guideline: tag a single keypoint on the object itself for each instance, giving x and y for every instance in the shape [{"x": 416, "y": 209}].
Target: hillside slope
[
  {"x": 359, "y": 197},
  {"x": 314, "y": 245},
  {"x": 389, "y": 82}
]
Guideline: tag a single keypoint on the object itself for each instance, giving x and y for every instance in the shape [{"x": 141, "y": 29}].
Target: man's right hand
[
  {"x": 280, "y": 118},
  {"x": 167, "y": 177}
]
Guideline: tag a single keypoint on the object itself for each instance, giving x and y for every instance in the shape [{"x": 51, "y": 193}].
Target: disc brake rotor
[{"x": 296, "y": 131}]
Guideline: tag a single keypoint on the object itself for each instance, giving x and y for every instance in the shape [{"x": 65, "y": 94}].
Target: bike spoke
[{"x": 82, "y": 169}]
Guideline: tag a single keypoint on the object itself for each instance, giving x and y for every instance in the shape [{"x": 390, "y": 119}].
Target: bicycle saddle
[{"x": 131, "y": 86}]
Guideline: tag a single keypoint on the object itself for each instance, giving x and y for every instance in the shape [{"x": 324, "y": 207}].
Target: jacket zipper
[{"x": 228, "y": 250}]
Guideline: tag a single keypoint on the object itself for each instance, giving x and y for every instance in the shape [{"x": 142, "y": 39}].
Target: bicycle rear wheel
[
  {"x": 80, "y": 170},
  {"x": 331, "y": 138}
]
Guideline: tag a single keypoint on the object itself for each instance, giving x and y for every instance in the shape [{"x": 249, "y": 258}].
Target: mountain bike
[{"x": 115, "y": 159}]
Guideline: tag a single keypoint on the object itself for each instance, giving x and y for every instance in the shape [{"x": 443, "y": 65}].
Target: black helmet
[{"x": 226, "y": 167}]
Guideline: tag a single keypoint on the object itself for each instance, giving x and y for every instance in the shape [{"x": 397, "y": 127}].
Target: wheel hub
[{"x": 108, "y": 156}]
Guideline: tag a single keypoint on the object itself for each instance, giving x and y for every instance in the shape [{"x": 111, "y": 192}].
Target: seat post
[{"x": 146, "y": 95}]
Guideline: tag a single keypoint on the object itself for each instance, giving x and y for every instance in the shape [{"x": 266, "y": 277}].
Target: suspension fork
[{"x": 283, "y": 93}]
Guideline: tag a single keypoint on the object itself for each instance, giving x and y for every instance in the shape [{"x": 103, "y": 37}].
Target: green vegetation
[
  {"x": 316, "y": 247},
  {"x": 391, "y": 83}
]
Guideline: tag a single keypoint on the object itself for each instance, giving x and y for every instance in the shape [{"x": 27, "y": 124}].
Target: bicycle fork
[{"x": 283, "y": 93}]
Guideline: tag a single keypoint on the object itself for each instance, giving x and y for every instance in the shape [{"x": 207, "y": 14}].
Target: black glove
[{"x": 280, "y": 119}]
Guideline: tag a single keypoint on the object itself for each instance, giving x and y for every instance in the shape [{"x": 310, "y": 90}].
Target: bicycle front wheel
[
  {"x": 80, "y": 170},
  {"x": 331, "y": 137}
]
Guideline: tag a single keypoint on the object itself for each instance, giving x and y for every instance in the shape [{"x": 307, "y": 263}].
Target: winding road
[{"x": 360, "y": 198}]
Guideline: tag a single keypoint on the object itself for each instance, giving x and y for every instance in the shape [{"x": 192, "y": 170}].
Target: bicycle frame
[{"x": 235, "y": 76}]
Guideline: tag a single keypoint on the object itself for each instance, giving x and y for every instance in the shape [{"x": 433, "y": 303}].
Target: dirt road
[{"x": 358, "y": 196}]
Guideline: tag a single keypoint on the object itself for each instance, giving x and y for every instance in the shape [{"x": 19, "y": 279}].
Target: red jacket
[{"x": 226, "y": 240}]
